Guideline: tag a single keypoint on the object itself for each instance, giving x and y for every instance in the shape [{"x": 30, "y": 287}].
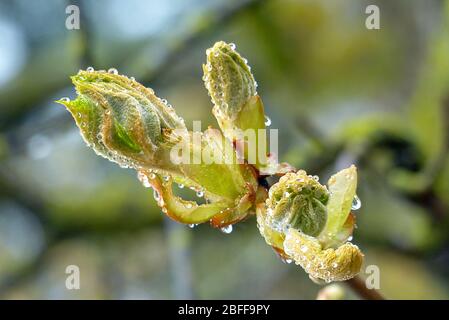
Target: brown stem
[{"x": 358, "y": 286}]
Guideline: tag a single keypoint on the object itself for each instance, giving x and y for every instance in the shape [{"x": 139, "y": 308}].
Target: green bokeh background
[{"x": 338, "y": 93}]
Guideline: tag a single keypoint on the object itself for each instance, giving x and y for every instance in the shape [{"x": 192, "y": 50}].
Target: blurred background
[{"x": 338, "y": 92}]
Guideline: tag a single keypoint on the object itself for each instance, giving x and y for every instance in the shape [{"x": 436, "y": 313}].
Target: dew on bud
[
  {"x": 356, "y": 203},
  {"x": 227, "y": 229},
  {"x": 143, "y": 179},
  {"x": 156, "y": 195},
  {"x": 232, "y": 45},
  {"x": 90, "y": 69},
  {"x": 65, "y": 99},
  {"x": 192, "y": 225},
  {"x": 113, "y": 71},
  {"x": 200, "y": 194},
  {"x": 180, "y": 186},
  {"x": 267, "y": 121}
]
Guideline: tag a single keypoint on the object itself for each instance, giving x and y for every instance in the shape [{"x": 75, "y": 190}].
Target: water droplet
[
  {"x": 156, "y": 195},
  {"x": 267, "y": 121},
  {"x": 166, "y": 178},
  {"x": 232, "y": 45},
  {"x": 90, "y": 69},
  {"x": 356, "y": 203},
  {"x": 227, "y": 229},
  {"x": 132, "y": 79},
  {"x": 164, "y": 101},
  {"x": 316, "y": 178},
  {"x": 164, "y": 210},
  {"x": 143, "y": 179},
  {"x": 65, "y": 99},
  {"x": 152, "y": 176},
  {"x": 113, "y": 71},
  {"x": 288, "y": 261},
  {"x": 350, "y": 238},
  {"x": 192, "y": 225},
  {"x": 200, "y": 194},
  {"x": 181, "y": 186}
]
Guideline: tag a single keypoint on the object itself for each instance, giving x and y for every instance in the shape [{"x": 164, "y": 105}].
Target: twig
[{"x": 358, "y": 286}]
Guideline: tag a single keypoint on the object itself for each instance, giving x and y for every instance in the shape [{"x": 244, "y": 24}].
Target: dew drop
[
  {"x": 166, "y": 178},
  {"x": 316, "y": 178},
  {"x": 267, "y": 121},
  {"x": 181, "y": 186},
  {"x": 232, "y": 45},
  {"x": 152, "y": 176},
  {"x": 227, "y": 229},
  {"x": 164, "y": 210},
  {"x": 132, "y": 79},
  {"x": 156, "y": 195},
  {"x": 90, "y": 69},
  {"x": 192, "y": 225},
  {"x": 356, "y": 203},
  {"x": 65, "y": 99},
  {"x": 164, "y": 101},
  {"x": 113, "y": 71},
  {"x": 200, "y": 194},
  {"x": 143, "y": 179},
  {"x": 350, "y": 238}
]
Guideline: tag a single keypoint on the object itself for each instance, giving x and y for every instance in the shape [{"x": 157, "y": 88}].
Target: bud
[
  {"x": 331, "y": 292},
  {"x": 127, "y": 123},
  {"x": 122, "y": 120},
  {"x": 305, "y": 222},
  {"x": 237, "y": 107},
  {"x": 228, "y": 80},
  {"x": 330, "y": 264},
  {"x": 298, "y": 201}
]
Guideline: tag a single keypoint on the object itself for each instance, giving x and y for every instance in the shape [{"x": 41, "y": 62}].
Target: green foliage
[{"x": 128, "y": 124}]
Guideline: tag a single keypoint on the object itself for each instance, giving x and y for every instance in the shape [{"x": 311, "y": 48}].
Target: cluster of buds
[
  {"x": 311, "y": 224},
  {"x": 301, "y": 219}
]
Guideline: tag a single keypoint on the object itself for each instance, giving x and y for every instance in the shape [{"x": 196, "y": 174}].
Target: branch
[{"x": 358, "y": 286}]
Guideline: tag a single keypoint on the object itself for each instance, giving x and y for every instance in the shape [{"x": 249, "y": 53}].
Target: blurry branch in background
[{"x": 358, "y": 286}]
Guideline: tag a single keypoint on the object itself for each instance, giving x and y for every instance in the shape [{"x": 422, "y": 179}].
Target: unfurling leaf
[
  {"x": 128, "y": 124},
  {"x": 329, "y": 264},
  {"x": 124, "y": 121}
]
